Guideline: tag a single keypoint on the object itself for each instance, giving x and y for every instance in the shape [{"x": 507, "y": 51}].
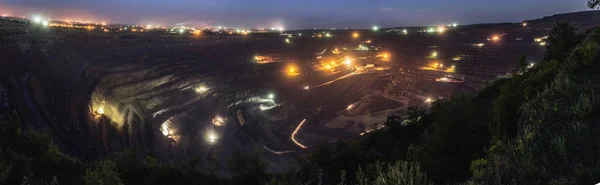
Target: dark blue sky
[{"x": 293, "y": 14}]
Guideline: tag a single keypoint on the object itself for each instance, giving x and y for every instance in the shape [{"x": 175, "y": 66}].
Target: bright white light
[
  {"x": 454, "y": 24},
  {"x": 201, "y": 89},
  {"x": 100, "y": 110},
  {"x": 212, "y": 138},
  {"x": 37, "y": 19},
  {"x": 348, "y": 61},
  {"x": 287, "y": 41},
  {"x": 428, "y": 100},
  {"x": 327, "y": 35},
  {"x": 267, "y": 105},
  {"x": 45, "y": 23},
  {"x": 531, "y": 65},
  {"x": 180, "y": 30},
  {"x": 405, "y": 31},
  {"x": 164, "y": 128},
  {"x": 281, "y": 29},
  {"x": 306, "y": 87},
  {"x": 271, "y": 96},
  {"x": 375, "y": 28}
]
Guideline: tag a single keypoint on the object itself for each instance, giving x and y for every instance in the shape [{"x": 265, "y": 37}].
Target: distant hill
[{"x": 583, "y": 20}]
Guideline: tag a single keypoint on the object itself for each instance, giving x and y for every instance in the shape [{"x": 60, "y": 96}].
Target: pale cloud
[
  {"x": 386, "y": 9},
  {"x": 390, "y": 9}
]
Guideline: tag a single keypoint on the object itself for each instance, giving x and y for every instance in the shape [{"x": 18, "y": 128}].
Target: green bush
[{"x": 104, "y": 173}]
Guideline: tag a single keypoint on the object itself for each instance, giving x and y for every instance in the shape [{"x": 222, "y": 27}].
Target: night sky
[{"x": 293, "y": 14}]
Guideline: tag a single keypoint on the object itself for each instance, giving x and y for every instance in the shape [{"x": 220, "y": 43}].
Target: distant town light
[
  {"x": 454, "y": 25},
  {"x": 524, "y": 24},
  {"x": 375, "y": 28},
  {"x": 355, "y": 35},
  {"x": 495, "y": 38},
  {"x": 45, "y": 23},
  {"x": 37, "y": 19},
  {"x": 441, "y": 29},
  {"x": 405, "y": 31}
]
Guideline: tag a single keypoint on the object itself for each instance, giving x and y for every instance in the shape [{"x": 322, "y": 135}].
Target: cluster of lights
[
  {"x": 218, "y": 121},
  {"x": 40, "y": 20}
]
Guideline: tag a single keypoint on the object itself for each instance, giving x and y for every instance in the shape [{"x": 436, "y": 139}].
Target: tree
[
  {"x": 593, "y": 4},
  {"x": 521, "y": 66},
  {"x": 248, "y": 164},
  {"x": 561, "y": 41}
]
